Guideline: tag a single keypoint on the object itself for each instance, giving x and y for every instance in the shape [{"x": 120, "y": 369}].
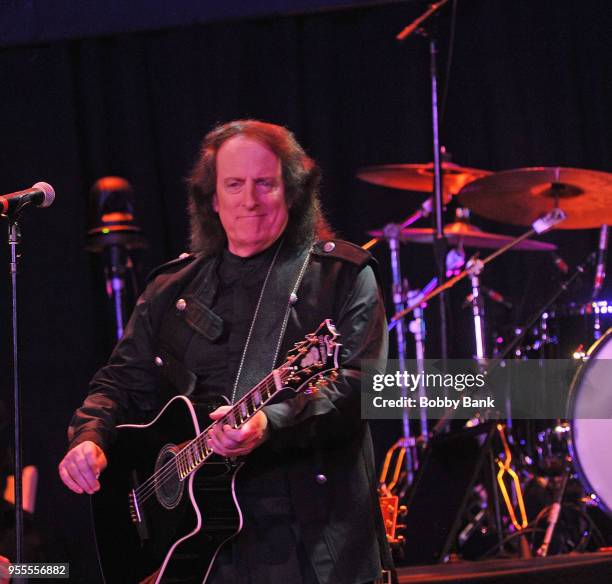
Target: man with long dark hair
[{"x": 265, "y": 270}]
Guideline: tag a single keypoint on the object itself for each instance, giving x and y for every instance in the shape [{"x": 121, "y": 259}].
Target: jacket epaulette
[
  {"x": 343, "y": 250},
  {"x": 176, "y": 263}
]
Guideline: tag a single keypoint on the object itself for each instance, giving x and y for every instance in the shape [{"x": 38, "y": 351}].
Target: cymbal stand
[
  {"x": 474, "y": 267},
  {"x": 539, "y": 226},
  {"x": 392, "y": 233},
  {"x": 509, "y": 348},
  {"x": 418, "y": 214},
  {"x": 418, "y": 328}
]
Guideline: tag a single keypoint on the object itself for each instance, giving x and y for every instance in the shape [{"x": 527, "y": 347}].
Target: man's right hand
[{"x": 81, "y": 467}]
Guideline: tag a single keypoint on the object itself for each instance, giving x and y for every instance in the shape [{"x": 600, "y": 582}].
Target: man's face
[{"x": 250, "y": 195}]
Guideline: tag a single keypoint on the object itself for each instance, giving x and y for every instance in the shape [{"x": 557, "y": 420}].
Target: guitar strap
[{"x": 270, "y": 318}]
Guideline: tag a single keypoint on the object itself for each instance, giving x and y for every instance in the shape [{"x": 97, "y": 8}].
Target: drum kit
[{"x": 577, "y": 199}]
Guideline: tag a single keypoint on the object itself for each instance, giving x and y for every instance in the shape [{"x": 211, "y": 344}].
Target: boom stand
[{"x": 439, "y": 239}]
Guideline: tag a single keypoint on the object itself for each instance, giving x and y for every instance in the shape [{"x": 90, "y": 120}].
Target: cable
[{"x": 508, "y": 538}]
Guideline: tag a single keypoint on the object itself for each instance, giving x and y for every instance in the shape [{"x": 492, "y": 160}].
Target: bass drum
[{"x": 590, "y": 417}]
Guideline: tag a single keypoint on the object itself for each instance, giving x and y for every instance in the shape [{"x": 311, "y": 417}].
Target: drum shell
[{"x": 589, "y": 413}]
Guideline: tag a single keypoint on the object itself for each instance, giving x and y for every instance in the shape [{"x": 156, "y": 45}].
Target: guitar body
[
  {"x": 167, "y": 503},
  {"x": 175, "y": 528}
]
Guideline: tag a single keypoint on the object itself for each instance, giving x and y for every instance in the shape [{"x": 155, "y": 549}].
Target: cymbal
[
  {"x": 461, "y": 233},
  {"x": 419, "y": 177},
  {"x": 522, "y": 195}
]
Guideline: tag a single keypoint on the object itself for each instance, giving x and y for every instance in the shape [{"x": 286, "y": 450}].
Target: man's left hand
[{"x": 228, "y": 441}]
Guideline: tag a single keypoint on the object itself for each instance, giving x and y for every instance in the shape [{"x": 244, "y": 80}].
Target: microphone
[{"x": 41, "y": 194}]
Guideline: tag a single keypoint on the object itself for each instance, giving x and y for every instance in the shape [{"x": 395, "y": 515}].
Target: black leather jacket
[{"x": 324, "y": 443}]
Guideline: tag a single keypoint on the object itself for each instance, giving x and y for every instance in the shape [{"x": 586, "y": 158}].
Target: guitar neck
[
  {"x": 296, "y": 372},
  {"x": 196, "y": 452}
]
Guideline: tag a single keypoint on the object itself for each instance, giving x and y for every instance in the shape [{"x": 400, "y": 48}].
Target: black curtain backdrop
[{"x": 530, "y": 85}]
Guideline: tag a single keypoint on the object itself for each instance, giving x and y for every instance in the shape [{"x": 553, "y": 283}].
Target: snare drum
[{"x": 590, "y": 417}]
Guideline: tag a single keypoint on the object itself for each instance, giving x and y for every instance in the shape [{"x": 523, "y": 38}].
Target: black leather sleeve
[
  {"x": 125, "y": 388},
  {"x": 335, "y": 412}
]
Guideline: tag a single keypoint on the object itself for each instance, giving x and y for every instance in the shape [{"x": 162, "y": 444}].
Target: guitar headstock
[{"x": 313, "y": 362}]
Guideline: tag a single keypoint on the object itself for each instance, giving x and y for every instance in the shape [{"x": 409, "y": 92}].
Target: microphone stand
[
  {"x": 116, "y": 269},
  {"x": 439, "y": 240},
  {"x": 14, "y": 238}
]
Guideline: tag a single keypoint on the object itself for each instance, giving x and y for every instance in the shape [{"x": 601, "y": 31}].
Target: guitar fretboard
[{"x": 194, "y": 454}]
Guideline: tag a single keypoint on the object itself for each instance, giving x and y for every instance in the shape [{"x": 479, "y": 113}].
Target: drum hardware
[
  {"x": 418, "y": 329},
  {"x": 511, "y": 346},
  {"x": 519, "y": 196},
  {"x": 475, "y": 515},
  {"x": 401, "y": 293},
  {"x": 436, "y": 187},
  {"x": 455, "y": 260},
  {"x": 418, "y": 214},
  {"x": 554, "y": 512},
  {"x": 539, "y": 226},
  {"x": 505, "y": 467},
  {"x": 466, "y": 235},
  {"x": 399, "y": 289},
  {"x": 567, "y": 330},
  {"x": 474, "y": 269},
  {"x": 552, "y": 447},
  {"x": 593, "y": 433}
]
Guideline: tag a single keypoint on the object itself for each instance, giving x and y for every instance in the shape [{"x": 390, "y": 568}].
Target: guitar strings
[
  {"x": 172, "y": 465},
  {"x": 170, "y": 468}
]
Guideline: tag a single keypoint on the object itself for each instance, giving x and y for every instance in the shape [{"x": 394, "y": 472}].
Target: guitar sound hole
[{"x": 168, "y": 486}]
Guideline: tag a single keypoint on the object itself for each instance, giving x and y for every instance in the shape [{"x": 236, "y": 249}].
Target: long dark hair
[{"x": 301, "y": 177}]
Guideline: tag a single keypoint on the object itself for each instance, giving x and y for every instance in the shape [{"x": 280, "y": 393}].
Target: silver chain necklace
[
  {"x": 256, "y": 313},
  {"x": 248, "y": 340}
]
